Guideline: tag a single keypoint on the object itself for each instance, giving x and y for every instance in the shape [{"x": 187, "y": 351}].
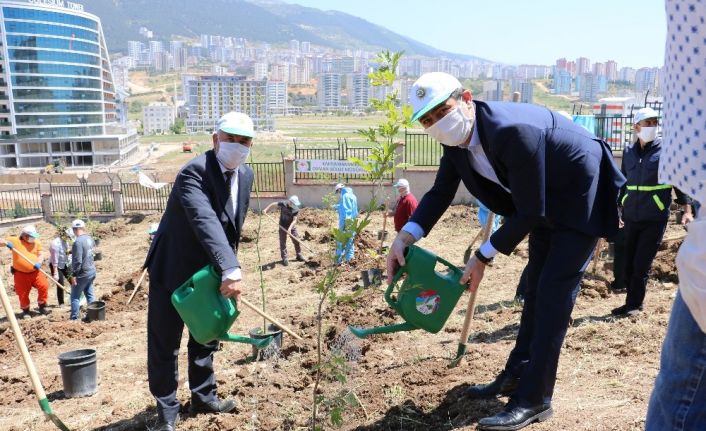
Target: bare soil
[{"x": 606, "y": 371}]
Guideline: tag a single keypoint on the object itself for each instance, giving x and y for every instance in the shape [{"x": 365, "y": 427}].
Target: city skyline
[{"x": 542, "y": 31}]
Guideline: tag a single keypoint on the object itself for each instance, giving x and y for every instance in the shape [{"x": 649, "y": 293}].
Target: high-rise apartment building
[
  {"x": 583, "y": 65},
  {"x": 646, "y": 79},
  {"x": 611, "y": 70},
  {"x": 562, "y": 82},
  {"x": 277, "y": 103},
  {"x": 57, "y": 95},
  {"x": 358, "y": 87},
  {"x": 209, "y": 97},
  {"x": 328, "y": 91}
]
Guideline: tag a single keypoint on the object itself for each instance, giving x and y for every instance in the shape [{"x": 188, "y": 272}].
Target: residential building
[
  {"x": 157, "y": 117},
  {"x": 277, "y": 103},
  {"x": 358, "y": 87},
  {"x": 493, "y": 90},
  {"x": 134, "y": 49},
  {"x": 587, "y": 85},
  {"x": 209, "y": 97},
  {"x": 583, "y": 65},
  {"x": 306, "y": 48},
  {"x": 646, "y": 79},
  {"x": 526, "y": 92},
  {"x": 562, "y": 82},
  {"x": 611, "y": 70},
  {"x": 57, "y": 94},
  {"x": 328, "y": 91},
  {"x": 599, "y": 69},
  {"x": 260, "y": 71},
  {"x": 626, "y": 74}
]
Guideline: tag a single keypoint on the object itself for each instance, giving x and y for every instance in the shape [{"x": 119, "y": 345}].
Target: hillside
[{"x": 267, "y": 21}]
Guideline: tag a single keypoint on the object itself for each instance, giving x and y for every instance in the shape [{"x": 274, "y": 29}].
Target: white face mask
[
  {"x": 647, "y": 134},
  {"x": 30, "y": 240},
  {"x": 452, "y": 130},
  {"x": 232, "y": 154}
]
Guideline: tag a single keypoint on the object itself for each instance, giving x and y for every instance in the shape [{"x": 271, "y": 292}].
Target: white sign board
[
  {"x": 328, "y": 166},
  {"x": 59, "y": 3}
]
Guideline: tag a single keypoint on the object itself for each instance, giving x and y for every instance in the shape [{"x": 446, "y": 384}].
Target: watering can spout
[
  {"x": 363, "y": 332},
  {"x": 259, "y": 343}
]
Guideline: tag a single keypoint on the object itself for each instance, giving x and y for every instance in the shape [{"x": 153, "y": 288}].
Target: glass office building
[{"x": 57, "y": 97}]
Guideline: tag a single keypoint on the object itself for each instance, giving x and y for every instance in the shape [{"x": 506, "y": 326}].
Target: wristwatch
[{"x": 483, "y": 259}]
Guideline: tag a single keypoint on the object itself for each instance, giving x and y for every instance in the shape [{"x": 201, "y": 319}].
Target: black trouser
[
  {"x": 63, "y": 275},
  {"x": 557, "y": 260},
  {"x": 164, "y": 329},
  {"x": 642, "y": 240}
]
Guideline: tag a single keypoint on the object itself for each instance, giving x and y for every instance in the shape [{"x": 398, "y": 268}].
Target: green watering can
[
  {"x": 207, "y": 313},
  {"x": 426, "y": 298}
]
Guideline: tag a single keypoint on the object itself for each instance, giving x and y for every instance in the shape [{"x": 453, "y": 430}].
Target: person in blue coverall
[
  {"x": 552, "y": 180},
  {"x": 347, "y": 210}
]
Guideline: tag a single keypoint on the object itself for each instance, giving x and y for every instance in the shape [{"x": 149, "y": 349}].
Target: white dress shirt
[
  {"x": 232, "y": 273},
  {"x": 480, "y": 163}
]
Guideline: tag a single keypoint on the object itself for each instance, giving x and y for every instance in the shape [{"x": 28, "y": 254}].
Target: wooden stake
[{"x": 270, "y": 318}]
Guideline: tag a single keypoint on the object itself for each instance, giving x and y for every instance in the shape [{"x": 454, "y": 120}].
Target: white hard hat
[
  {"x": 401, "y": 183},
  {"x": 645, "y": 114},
  {"x": 78, "y": 224},
  {"x": 431, "y": 90},
  {"x": 31, "y": 231},
  {"x": 236, "y": 123},
  {"x": 339, "y": 186},
  {"x": 294, "y": 199}
]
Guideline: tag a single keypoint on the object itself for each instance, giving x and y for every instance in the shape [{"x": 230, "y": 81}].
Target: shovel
[
  {"x": 289, "y": 233},
  {"x": 36, "y": 384},
  {"x": 471, "y": 308},
  {"x": 137, "y": 286}
]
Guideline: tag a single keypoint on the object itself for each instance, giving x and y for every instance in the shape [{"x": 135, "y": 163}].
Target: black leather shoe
[
  {"x": 217, "y": 406},
  {"x": 504, "y": 384},
  {"x": 166, "y": 425},
  {"x": 515, "y": 417}
]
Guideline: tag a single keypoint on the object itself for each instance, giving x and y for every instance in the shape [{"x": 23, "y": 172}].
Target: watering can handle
[
  {"x": 391, "y": 286},
  {"x": 452, "y": 267}
]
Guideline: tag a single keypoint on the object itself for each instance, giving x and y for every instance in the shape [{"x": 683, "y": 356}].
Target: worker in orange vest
[{"x": 26, "y": 274}]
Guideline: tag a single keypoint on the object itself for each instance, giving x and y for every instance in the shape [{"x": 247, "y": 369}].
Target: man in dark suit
[
  {"x": 551, "y": 179},
  {"x": 201, "y": 225}
]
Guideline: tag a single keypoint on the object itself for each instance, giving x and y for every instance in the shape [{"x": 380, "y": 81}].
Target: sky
[{"x": 631, "y": 32}]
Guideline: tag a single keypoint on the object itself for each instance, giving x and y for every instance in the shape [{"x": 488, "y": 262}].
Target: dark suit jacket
[
  {"x": 557, "y": 172},
  {"x": 195, "y": 229}
]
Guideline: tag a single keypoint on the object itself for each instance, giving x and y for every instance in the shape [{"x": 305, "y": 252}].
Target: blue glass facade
[
  {"x": 50, "y": 30},
  {"x": 43, "y": 55},
  {"x": 54, "y": 81},
  {"x": 51, "y": 43},
  {"x": 56, "y": 86},
  {"x": 54, "y": 69},
  {"x": 37, "y": 94},
  {"x": 48, "y": 16}
]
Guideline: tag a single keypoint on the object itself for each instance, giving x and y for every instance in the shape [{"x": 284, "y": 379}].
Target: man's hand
[
  {"x": 687, "y": 218},
  {"x": 621, "y": 223},
  {"x": 231, "y": 289},
  {"x": 473, "y": 273},
  {"x": 55, "y": 276},
  {"x": 395, "y": 258},
  {"x": 73, "y": 281}
]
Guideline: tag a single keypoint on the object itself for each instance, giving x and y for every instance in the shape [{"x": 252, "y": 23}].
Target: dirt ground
[{"x": 606, "y": 371}]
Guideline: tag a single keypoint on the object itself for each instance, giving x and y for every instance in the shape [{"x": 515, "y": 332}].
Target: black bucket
[
  {"x": 273, "y": 331},
  {"x": 78, "y": 372},
  {"x": 95, "y": 311}
]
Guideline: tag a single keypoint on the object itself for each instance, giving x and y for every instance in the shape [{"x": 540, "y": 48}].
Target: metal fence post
[
  {"x": 45, "y": 203},
  {"x": 118, "y": 203}
]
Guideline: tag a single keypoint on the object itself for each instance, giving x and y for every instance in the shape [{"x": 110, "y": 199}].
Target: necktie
[{"x": 229, "y": 187}]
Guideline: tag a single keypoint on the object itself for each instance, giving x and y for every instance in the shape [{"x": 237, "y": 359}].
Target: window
[
  {"x": 43, "y": 15},
  {"x": 50, "y": 30},
  {"x": 65, "y": 57},
  {"x": 58, "y": 132},
  {"x": 56, "y": 94},
  {"x": 55, "y": 81},
  {"x": 51, "y": 120},
  {"x": 54, "y": 69},
  {"x": 61, "y": 147},
  {"x": 51, "y": 43},
  {"x": 21, "y": 107}
]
